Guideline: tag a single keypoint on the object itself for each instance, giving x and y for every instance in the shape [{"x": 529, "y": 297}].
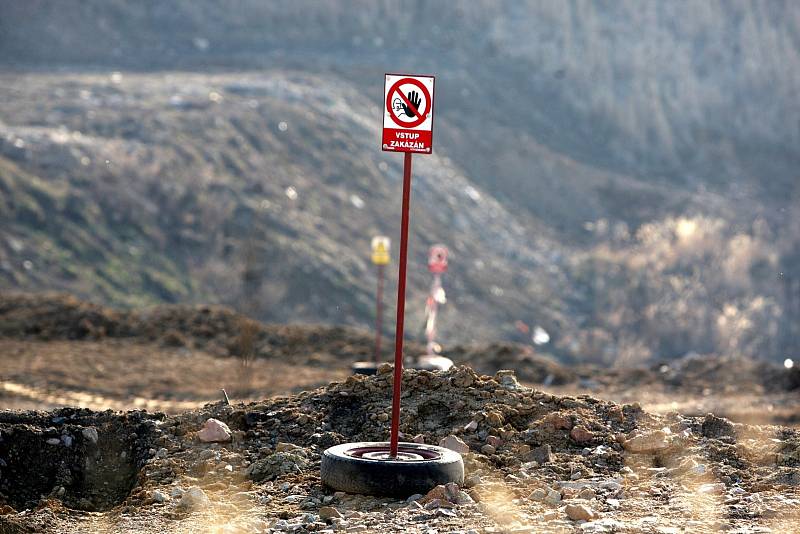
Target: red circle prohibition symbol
[{"x": 420, "y": 116}]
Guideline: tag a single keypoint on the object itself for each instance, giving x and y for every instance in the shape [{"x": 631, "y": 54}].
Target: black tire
[
  {"x": 364, "y": 368},
  {"x": 344, "y": 472},
  {"x": 432, "y": 363}
]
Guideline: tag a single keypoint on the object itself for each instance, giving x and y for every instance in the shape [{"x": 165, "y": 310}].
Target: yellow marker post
[
  {"x": 380, "y": 257},
  {"x": 380, "y": 250}
]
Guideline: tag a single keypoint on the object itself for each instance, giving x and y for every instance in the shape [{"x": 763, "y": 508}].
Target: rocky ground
[
  {"x": 541, "y": 455},
  {"x": 534, "y": 463},
  {"x": 56, "y": 350}
]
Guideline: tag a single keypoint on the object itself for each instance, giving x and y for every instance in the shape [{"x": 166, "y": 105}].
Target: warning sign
[{"x": 408, "y": 113}]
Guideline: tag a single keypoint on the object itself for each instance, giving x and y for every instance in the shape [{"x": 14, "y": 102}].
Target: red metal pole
[
  {"x": 379, "y": 315},
  {"x": 401, "y": 306}
]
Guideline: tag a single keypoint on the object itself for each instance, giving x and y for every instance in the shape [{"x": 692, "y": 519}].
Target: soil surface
[
  {"x": 543, "y": 455},
  {"x": 535, "y": 463}
]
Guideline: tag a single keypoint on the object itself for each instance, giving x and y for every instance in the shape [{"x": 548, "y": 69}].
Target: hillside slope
[{"x": 199, "y": 153}]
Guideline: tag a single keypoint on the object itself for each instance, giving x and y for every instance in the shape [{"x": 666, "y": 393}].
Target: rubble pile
[{"x": 534, "y": 463}]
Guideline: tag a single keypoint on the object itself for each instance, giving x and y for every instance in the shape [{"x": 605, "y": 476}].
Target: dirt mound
[
  {"x": 215, "y": 329},
  {"x": 535, "y": 461},
  {"x": 529, "y": 366}
]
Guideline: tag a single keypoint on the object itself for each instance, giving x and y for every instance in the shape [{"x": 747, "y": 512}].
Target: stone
[
  {"x": 587, "y": 494},
  {"x": 472, "y": 480},
  {"x": 438, "y": 493},
  {"x": 90, "y": 434},
  {"x": 542, "y": 454},
  {"x": 488, "y": 449},
  {"x": 383, "y": 417},
  {"x": 451, "y": 490},
  {"x": 214, "y": 431},
  {"x": 495, "y": 419},
  {"x": 558, "y": 421},
  {"x": 472, "y": 426},
  {"x": 608, "y": 525},
  {"x": 454, "y": 443},
  {"x": 507, "y": 379},
  {"x": 647, "y": 443},
  {"x": 329, "y": 512},
  {"x": 283, "y": 447},
  {"x": 419, "y": 438},
  {"x": 553, "y": 497},
  {"x": 550, "y": 515},
  {"x": 464, "y": 377},
  {"x": 385, "y": 368},
  {"x": 276, "y": 465},
  {"x": 194, "y": 499},
  {"x": 433, "y": 504},
  {"x": 463, "y": 498},
  {"x": 53, "y": 441},
  {"x": 538, "y": 495},
  {"x": 717, "y": 427},
  {"x": 580, "y": 512},
  {"x": 714, "y": 488},
  {"x": 159, "y": 496},
  {"x": 415, "y": 497},
  {"x": 494, "y": 441},
  {"x": 580, "y": 434}
]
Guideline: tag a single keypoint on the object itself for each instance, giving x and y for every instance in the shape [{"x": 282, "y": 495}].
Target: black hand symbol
[{"x": 415, "y": 100}]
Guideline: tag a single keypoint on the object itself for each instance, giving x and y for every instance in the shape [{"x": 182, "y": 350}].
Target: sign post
[
  {"x": 394, "y": 468},
  {"x": 380, "y": 257},
  {"x": 408, "y": 128}
]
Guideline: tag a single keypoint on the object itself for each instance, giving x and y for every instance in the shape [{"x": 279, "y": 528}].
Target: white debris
[
  {"x": 540, "y": 336},
  {"x": 356, "y": 201}
]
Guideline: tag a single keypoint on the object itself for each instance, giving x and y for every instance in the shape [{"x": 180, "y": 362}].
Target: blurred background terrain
[{"x": 623, "y": 174}]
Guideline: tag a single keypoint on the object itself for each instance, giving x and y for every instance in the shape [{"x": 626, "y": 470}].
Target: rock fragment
[
  {"x": 214, "y": 431},
  {"x": 580, "y": 512},
  {"x": 507, "y": 379},
  {"x": 454, "y": 443},
  {"x": 717, "y": 427},
  {"x": 558, "y": 421},
  {"x": 194, "y": 499},
  {"x": 580, "y": 434},
  {"x": 647, "y": 443},
  {"x": 90, "y": 434},
  {"x": 329, "y": 512},
  {"x": 542, "y": 454},
  {"x": 276, "y": 465}
]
